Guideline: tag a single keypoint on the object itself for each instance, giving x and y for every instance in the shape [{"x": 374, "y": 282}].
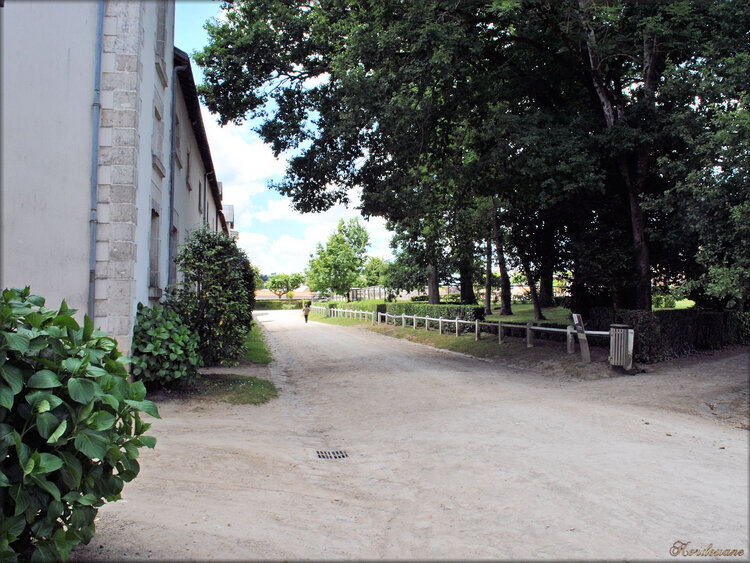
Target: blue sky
[{"x": 275, "y": 237}]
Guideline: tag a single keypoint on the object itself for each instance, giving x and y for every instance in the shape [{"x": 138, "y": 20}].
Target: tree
[
  {"x": 374, "y": 271},
  {"x": 217, "y": 295},
  {"x": 338, "y": 265},
  {"x": 283, "y": 284}
]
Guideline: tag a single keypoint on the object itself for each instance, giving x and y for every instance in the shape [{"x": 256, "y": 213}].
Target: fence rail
[{"x": 572, "y": 332}]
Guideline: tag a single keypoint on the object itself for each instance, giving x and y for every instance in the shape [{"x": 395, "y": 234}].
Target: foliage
[
  {"x": 374, "y": 272},
  {"x": 70, "y": 427},
  {"x": 337, "y": 266},
  {"x": 463, "y": 312},
  {"x": 165, "y": 350},
  {"x": 669, "y": 333},
  {"x": 609, "y": 137},
  {"x": 256, "y": 350},
  {"x": 217, "y": 296},
  {"x": 284, "y": 284}
]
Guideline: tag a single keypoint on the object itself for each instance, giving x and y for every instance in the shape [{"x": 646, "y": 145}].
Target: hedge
[
  {"x": 669, "y": 333},
  {"x": 463, "y": 312},
  {"x": 276, "y": 305}
]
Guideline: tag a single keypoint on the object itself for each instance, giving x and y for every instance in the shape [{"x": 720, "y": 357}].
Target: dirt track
[{"x": 449, "y": 457}]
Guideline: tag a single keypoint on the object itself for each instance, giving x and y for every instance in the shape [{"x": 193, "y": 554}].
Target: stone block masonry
[{"x": 118, "y": 164}]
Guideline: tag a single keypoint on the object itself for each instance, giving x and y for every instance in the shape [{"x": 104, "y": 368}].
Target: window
[{"x": 153, "y": 278}]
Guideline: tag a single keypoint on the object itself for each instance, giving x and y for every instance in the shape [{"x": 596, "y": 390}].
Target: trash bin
[{"x": 621, "y": 346}]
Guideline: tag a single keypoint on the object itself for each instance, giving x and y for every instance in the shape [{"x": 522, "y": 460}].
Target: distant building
[{"x": 94, "y": 200}]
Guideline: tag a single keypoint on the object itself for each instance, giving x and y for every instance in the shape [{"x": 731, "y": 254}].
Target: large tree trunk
[
  {"x": 538, "y": 316},
  {"x": 433, "y": 286},
  {"x": 488, "y": 279},
  {"x": 505, "y": 288},
  {"x": 466, "y": 280},
  {"x": 546, "y": 288}
]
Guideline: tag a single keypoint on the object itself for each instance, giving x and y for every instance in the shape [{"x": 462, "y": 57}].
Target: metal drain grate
[{"x": 335, "y": 454}]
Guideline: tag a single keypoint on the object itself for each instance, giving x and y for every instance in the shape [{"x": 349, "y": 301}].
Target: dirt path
[{"x": 449, "y": 457}]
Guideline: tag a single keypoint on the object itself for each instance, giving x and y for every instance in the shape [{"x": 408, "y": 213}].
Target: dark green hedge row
[
  {"x": 277, "y": 305},
  {"x": 463, "y": 312},
  {"x": 661, "y": 335}
]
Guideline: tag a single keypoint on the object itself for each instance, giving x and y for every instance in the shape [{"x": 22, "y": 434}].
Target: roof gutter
[{"x": 93, "y": 220}]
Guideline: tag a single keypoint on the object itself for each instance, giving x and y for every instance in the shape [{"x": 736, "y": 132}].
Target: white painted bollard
[
  {"x": 403, "y": 320},
  {"x": 440, "y": 324},
  {"x": 456, "y": 326},
  {"x": 529, "y": 336},
  {"x": 476, "y": 329},
  {"x": 500, "y": 332},
  {"x": 415, "y": 322}
]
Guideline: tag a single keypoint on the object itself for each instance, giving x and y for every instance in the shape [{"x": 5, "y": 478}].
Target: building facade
[{"x": 92, "y": 201}]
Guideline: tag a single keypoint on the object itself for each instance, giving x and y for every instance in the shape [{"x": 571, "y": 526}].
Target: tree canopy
[{"x": 595, "y": 129}]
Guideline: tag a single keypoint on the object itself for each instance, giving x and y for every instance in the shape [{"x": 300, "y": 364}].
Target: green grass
[
  {"x": 256, "y": 350},
  {"x": 684, "y": 304},
  {"x": 237, "y": 389},
  {"x": 524, "y": 313}
]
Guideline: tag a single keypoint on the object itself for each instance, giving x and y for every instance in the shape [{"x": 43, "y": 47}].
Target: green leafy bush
[
  {"x": 420, "y": 298},
  {"x": 70, "y": 427},
  {"x": 669, "y": 333},
  {"x": 217, "y": 296},
  {"x": 463, "y": 312},
  {"x": 165, "y": 350}
]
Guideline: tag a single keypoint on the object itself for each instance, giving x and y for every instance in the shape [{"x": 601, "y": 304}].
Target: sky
[{"x": 275, "y": 237}]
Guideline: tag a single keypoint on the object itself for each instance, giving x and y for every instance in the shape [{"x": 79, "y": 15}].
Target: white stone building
[{"x": 91, "y": 210}]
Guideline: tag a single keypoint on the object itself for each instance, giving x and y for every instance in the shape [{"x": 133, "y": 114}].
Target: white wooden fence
[{"x": 443, "y": 324}]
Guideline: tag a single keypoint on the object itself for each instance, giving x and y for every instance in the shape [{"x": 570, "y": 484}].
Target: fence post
[
  {"x": 415, "y": 322},
  {"x": 571, "y": 339},
  {"x": 582, "y": 340},
  {"x": 456, "y": 326},
  {"x": 403, "y": 320},
  {"x": 440, "y": 324},
  {"x": 476, "y": 329},
  {"x": 427, "y": 322},
  {"x": 529, "y": 336},
  {"x": 500, "y": 332}
]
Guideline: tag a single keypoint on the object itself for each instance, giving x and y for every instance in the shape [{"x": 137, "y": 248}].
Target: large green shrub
[
  {"x": 669, "y": 333},
  {"x": 165, "y": 350},
  {"x": 217, "y": 296},
  {"x": 70, "y": 427},
  {"x": 463, "y": 312}
]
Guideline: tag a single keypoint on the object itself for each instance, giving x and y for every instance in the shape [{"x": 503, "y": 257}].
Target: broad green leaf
[
  {"x": 35, "y": 399},
  {"x": 6, "y": 435},
  {"x": 138, "y": 391},
  {"x": 28, "y": 467},
  {"x": 72, "y": 364},
  {"x": 65, "y": 321},
  {"x": 101, "y": 420},
  {"x": 81, "y": 390},
  {"x": 72, "y": 470},
  {"x": 17, "y": 342},
  {"x": 4, "y": 482},
  {"x": 6, "y": 396},
  {"x": 58, "y": 432},
  {"x": 146, "y": 406},
  {"x": 91, "y": 443},
  {"x": 111, "y": 400},
  {"x": 88, "y": 328},
  {"x": 48, "y": 486},
  {"x": 13, "y": 526},
  {"x": 46, "y": 422},
  {"x": 95, "y": 371},
  {"x": 148, "y": 441},
  {"x": 13, "y": 376},
  {"x": 19, "y": 494},
  {"x": 43, "y": 379},
  {"x": 48, "y": 463},
  {"x": 88, "y": 500},
  {"x": 36, "y": 300},
  {"x": 43, "y": 406}
]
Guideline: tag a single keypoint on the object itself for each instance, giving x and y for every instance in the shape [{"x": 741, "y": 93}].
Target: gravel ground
[{"x": 448, "y": 457}]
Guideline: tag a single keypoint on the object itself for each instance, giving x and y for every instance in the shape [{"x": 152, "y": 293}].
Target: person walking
[{"x": 306, "y": 311}]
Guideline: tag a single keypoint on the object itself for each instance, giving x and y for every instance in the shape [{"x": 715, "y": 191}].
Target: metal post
[
  {"x": 403, "y": 320},
  {"x": 456, "y": 326},
  {"x": 500, "y": 334},
  {"x": 440, "y": 324},
  {"x": 476, "y": 329},
  {"x": 571, "y": 339},
  {"x": 415, "y": 322},
  {"x": 582, "y": 340},
  {"x": 529, "y": 336}
]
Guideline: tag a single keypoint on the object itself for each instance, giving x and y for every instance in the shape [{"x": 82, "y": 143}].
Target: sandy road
[{"x": 449, "y": 457}]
